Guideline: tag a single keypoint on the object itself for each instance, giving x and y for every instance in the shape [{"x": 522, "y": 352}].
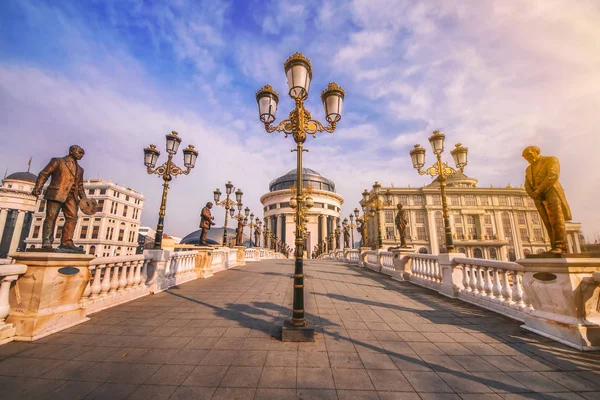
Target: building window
[
  {"x": 524, "y": 234},
  {"x": 489, "y": 231},
  {"x": 420, "y": 217},
  {"x": 518, "y": 201},
  {"x": 439, "y": 227},
  {"x": 521, "y": 218},
  {"x": 121, "y": 234},
  {"x": 454, "y": 200},
  {"x": 470, "y": 200},
  {"x": 503, "y": 200},
  {"x": 36, "y": 232},
  {"x": 529, "y": 202},
  {"x": 472, "y": 233},
  {"x": 487, "y": 219},
  {"x": 493, "y": 254},
  {"x": 417, "y": 200},
  {"x": 526, "y": 252},
  {"x": 423, "y": 250},
  {"x": 535, "y": 218},
  {"x": 506, "y": 226},
  {"x": 421, "y": 233},
  {"x": 477, "y": 253},
  {"x": 91, "y": 192},
  {"x": 95, "y": 230},
  {"x": 102, "y": 191},
  {"x": 284, "y": 205},
  {"x": 126, "y": 198},
  {"x": 471, "y": 219},
  {"x": 125, "y": 211},
  {"x": 436, "y": 200},
  {"x": 404, "y": 199},
  {"x": 461, "y": 250},
  {"x": 389, "y": 216},
  {"x": 460, "y": 232},
  {"x": 389, "y": 233},
  {"x": 100, "y": 206},
  {"x": 92, "y": 250},
  {"x": 484, "y": 200},
  {"x": 538, "y": 235},
  {"x": 83, "y": 234}
]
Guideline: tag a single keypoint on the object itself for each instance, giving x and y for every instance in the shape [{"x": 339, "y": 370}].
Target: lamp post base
[{"x": 290, "y": 333}]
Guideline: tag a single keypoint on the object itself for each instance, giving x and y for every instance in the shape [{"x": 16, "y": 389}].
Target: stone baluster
[
  {"x": 106, "y": 279},
  {"x": 487, "y": 282},
  {"x": 97, "y": 285},
  {"x": 123, "y": 277},
  {"x": 4, "y": 289},
  {"x": 465, "y": 278},
  {"x": 130, "y": 275},
  {"x": 506, "y": 292},
  {"x": 138, "y": 273},
  {"x": 497, "y": 287},
  {"x": 114, "y": 282},
  {"x": 517, "y": 293},
  {"x": 479, "y": 277},
  {"x": 88, "y": 289}
]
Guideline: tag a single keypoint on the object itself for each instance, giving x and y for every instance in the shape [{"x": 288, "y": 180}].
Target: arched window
[
  {"x": 461, "y": 250},
  {"x": 526, "y": 252},
  {"x": 493, "y": 254},
  {"x": 540, "y": 251},
  {"x": 92, "y": 250},
  {"x": 423, "y": 250},
  {"x": 477, "y": 253},
  {"x": 511, "y": 254}
]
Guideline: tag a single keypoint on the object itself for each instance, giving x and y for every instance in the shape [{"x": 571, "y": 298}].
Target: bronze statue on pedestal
[
  {"x": 346, "y": 237},
  {"x": 64, "y": 193},
  {"x": 362, "y": 229},
  {"x": 206, "y": 221},
  {"x": 541, "y": 183},
  {"x": 401, "y": 221},
  {"x": 239, "y": 232}
]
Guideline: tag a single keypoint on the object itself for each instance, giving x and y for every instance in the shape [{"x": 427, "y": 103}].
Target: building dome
[
  {"x": 214, "y": 236},
  {"x": 309, "y": 177},
  {"x": 458, "y": 180},
  {"x": 22, "y": 176}
]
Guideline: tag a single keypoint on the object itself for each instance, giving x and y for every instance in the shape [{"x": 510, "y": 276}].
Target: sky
[{"x": 115, "y": 76}]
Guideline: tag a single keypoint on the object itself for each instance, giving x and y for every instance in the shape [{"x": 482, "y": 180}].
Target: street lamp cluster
[
  {"x": 228, "y": 204},
  {"x": 298, "y": 70}
]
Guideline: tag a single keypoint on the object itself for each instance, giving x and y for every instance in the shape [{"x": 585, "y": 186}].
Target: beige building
[
  {"x": 17, "y": 206},
  {"x": 112, "y": 231},
  {"x": 491, "y": 223},
  {"x": 323, "y": 217}
]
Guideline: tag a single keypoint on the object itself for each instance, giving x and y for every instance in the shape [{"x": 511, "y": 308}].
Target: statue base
[
  {"x": 80, "y": 250},
  {"x": 291, "y": 333}
]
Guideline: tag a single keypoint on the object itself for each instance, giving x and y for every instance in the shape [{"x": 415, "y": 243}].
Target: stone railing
[
  {"x": 115, "y": 280},
  {"x": 250, "y": 254},
  {"x": 9, "y": 273},
  {"x": 351, "y": 255},
  {"x": 556, "y": 297},
  {"x": 219, "y": 260}
]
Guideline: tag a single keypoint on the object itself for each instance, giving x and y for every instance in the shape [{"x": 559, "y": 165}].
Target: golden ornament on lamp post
[
  {"x": 167, "y": 171},
  {"x": 298, "y": 70},
  {"x": 228, "y": 204},
  {"x": 442, "y": 170},
  {"x": 373, "y": 202}
]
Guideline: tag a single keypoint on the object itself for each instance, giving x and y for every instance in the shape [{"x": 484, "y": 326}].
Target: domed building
[
  {"x": 215, "y": 236},
  {"x": 323, "y": 217},
  {"x": 17, "y": 206}
]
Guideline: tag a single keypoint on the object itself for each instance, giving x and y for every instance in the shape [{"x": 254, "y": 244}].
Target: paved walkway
[{"x": 378, "y": 339}]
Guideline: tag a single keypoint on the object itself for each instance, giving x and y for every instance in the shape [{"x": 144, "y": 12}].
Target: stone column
[
  {"x": 3, "y": 215},
  {"x": 433, "y": 238},
  {"x": 14, "y": 242}
]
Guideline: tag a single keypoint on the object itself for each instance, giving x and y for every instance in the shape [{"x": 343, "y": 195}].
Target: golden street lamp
[
  {"x": 376, "y": 205},
  {"x": 365, "y": 217},
  {"x": 251, "y": 225},
  {"x": 298, "y": 70},
  {"x": 242, "y": 222},
  {"x": 167, "y": 171},
  {"x": 228, "y": 204},
  {"x": 352, "y": 226},
  {"x": 443, "y": 171}
]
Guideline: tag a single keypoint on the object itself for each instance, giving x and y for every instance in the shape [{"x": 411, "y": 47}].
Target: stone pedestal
[
  {"x": 204, "y": 261},
  {"x": 290, "y": 333},
  {"x": 46, "y": 298},
  {"x": 241, "y": 255},
  {"x": 451, "y": 274},
  {"x": 401, "y": 265},
  {"x": 565, "y": 297},
  {"x": 362, "y": 255}
]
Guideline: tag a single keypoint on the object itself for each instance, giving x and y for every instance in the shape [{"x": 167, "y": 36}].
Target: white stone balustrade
[
  {"x": 9, "y": 273},
  {"x": 250, "y": 254},
  {"x": 424, "y": 270},
  {"x": 219, "y": 260}
]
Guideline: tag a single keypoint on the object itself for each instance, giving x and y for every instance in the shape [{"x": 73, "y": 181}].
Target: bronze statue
[
  {"x": 346, "y": 237},
  {"x": 64, "y": 193},
  {"x": 541, "y": 183},
  {"x": 337, "y": 239},
  {"x": 206, "y": 221},
  {"x": 256, "y": 235},
  {"x": 238, "y": 232},
  {"x": 401, "y": 224},
  {"x": 362, "y": 229}
]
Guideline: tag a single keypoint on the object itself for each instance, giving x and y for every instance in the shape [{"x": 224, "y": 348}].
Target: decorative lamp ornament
[
  {"x": 332, "y": 99},
  {"x": 437, "y": 142},
  {"x": 298, "y": 71},
  {"x": 365, "y": 195},
  {"x": 229, "y": 187},
  {"x": 356, "y": 213},
  {"x": 239, "y": 206},
  {"x": 247, "y": 211},
  {"x": 217, "y": 194},
  {"x": 417, "y": 156},
  {"x": 173, "y": 142},
  {"x": 238, "y": 195},
  {"x": 232, "y": 211},
  {"x": 459, "y": 153},
  {"x": 252, "y": 217},
  {"x": 267, "y": 99},
  {"x": 151, "y": 156},
  {"x": 190, "y": 154},
  {"x": 377, "y": 187},
  {"x": 293, "y": 202},
  {"x": 309, "y": 201}
]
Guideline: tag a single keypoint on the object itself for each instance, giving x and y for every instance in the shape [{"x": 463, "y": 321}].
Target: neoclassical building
[
  {"x": 323, "y": 217},
  {"x": 112, "y": 231},
  {"x": 492, "y": 223},
  {"x": 17, "y": 206}
]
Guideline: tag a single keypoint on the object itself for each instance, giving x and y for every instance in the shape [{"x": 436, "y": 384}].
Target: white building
[
  {"x": 112, "y": 231},
  {"x": 17, "y": 206},
  {"x": 323, "y": 217},
  {"x": 491, "y": 223}
]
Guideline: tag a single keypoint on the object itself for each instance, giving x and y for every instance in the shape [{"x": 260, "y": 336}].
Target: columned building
[
  {"x": 112, "y": 231},
  {"x": 17, "y": 206},
  {"x": 323, "y": 217},
  {"x": 491, "y": 223}
]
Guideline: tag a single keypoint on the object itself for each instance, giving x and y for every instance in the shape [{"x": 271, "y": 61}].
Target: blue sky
[{"x": 115, "y": 76}]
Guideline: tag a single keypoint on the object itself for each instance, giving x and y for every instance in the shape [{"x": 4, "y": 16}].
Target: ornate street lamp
[
  {"x": 375, "y": 204},
  {"x": 298, "y": 70},
  {"x": 443, "y": 171},
  {"x": 167, "y": 171},
  {"x": 228, "y": 204},
  {"x": 352, "y": 226}
]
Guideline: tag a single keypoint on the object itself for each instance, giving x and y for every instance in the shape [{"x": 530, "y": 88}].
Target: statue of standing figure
[
  {"x": 256, "y": 235},
  {"x": 63, "y": 194},
  {"x": 542, "y": 185},
  {"x": 346, "y": 237},
  {"x": 401, "y": 222},
  {"x": 206, "y": 221},
  {"x": 239, "y": 231},
  {"x": 362, "y": 229}
]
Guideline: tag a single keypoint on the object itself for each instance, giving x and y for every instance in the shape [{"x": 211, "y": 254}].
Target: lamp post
[
  {"x": 298, "y": 70},
  {"x": 251, "y": 225},
  {"x": 228, "y": 204},
  {"x": 376, "y": 205},
  {"x": 443, "y": 171},
  {"x": 242, "y": 222},
  {"x": 167, "y": 171},
  {"x": 260, "y": 229},
  {"x": 352, "y": 226}
]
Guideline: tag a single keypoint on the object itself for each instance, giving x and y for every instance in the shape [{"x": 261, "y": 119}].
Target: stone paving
[{"x": 216, "y": 339}]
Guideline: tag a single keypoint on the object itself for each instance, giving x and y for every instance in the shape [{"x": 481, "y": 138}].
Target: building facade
[
  {"x": 323, "y": 217},
  {"x": 17, "y": 207},
  {"x": 491, "y": 223},
  {"x": 112, "y": 231}
]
